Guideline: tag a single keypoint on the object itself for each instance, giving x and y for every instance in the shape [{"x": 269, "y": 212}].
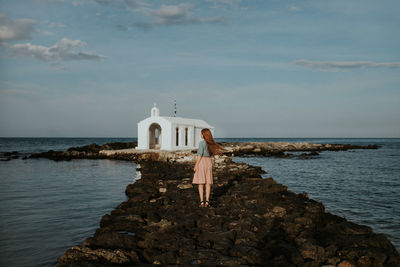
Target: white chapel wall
[{"x": 182, "y": 144}]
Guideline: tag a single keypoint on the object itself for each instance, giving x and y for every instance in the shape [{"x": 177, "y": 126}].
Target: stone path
[{"x": 252, "y": 222}]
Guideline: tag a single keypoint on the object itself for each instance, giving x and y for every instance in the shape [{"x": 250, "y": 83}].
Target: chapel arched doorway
[{"x": 155, "y": 136}]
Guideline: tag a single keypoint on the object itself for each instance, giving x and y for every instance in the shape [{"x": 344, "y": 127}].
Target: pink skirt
[{"x": 203, "y": 175}]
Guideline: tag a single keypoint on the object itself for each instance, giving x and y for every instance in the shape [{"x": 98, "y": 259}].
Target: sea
[{"x": 47, "y": 207}]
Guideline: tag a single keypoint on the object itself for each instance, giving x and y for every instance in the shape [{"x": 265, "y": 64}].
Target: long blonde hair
[{"x": 213, "y": 147}]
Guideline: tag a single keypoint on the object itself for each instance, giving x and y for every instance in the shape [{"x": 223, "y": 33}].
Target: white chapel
[{"x": 169, "y": 133}]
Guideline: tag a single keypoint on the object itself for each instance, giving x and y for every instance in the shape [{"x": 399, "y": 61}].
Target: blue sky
[{"x": 88, "y": 68}]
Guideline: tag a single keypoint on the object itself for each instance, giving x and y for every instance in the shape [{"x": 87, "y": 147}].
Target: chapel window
[
  {"x": 177, "y": 136},
  {"x": 186, "y": 136}
]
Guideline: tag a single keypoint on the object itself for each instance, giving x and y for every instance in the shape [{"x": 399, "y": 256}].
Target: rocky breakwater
[
  {"x": 91, "y": 151},
  {"x": 251, "y": 222},
  {"x": 127, "y": 151},
  {"x": 284, "y": 149}
]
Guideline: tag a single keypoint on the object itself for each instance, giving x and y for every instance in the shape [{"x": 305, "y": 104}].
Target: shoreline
[{"x": 126, "y": 151}]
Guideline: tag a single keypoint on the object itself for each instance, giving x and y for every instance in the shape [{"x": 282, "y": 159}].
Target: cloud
[
  {"x": 232, "y": 3},
  {"x": 168, "y": 15},
  {"x": 15, "y": 29},
  {"x": 123, "y": 4},
  {"x": 48, "y": 1},
  {"x": 171, "y": 14},
  {"x": 344, "y": 65},
  {"x": 293, "y": 8},
  {"x": 165, "y": 15},
  {"x": 180, "y": 14},
  {"x": 65, "y": 49}
]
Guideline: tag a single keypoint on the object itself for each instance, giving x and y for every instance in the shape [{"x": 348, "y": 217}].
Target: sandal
[
  {"x": 207, "y": 204},
  {"x": 202, "y": 204}
]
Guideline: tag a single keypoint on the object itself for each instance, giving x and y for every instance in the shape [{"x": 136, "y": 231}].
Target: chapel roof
[{"x": 195, "y": 122}]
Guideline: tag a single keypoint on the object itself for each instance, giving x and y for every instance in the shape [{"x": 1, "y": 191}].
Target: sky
[{"x": 255, "y": 68}]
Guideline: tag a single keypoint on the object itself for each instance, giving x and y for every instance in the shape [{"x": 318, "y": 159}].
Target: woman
[{"x": 203, "y": 167}]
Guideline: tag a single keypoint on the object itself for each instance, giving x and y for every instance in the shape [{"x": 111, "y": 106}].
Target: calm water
[{"x": 46, "y": 207}]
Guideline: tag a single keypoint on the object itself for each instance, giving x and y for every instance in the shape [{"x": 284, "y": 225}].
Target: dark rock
[
  {"x": 118, "y": 145},
  {"x": 308, "y": 155},
  {"x": 252, "y": 221},
  {"x": 244, "y": 149},
  {"x": 95, "y": 148},
  {"x": 282, "y": 149},
  {"x": 86, "y": 152},
  {"x": 6, "y": 156}
]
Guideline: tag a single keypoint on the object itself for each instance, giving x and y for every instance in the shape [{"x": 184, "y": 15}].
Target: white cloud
[
  {"x": 65, "y": 49},
  {"x": 171, "y": 14},
  {"x": 165, "y": 15},
  {"x": 345, "y": 65},
  {"x": 124, "y": 4},
  {"x": 15, "y": 29},
  {"x": 232, "y": 3},
  {"x": 48, "y": 1},
  {"x": 180, "y": 14},
  {"x": 168, "y": 15}
]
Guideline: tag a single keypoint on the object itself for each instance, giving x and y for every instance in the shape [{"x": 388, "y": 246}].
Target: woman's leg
[
  {"x": 201, "y": 190},
  {"x": 208, "y": 189}
]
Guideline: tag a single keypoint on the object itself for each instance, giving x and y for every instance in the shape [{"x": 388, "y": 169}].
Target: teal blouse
[{"x": 203, "y": 149}]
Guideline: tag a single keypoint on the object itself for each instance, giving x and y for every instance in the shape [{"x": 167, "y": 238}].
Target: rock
[
  {"x": 333, "y": 260},
  {"x": 252, "y": 221},
  {"x": 276, "y": 212},
  {"x": 364, "y": 261},
  {"x": 346, "y": 263},
  {"x": 6, "y": 156},
  {"x": 89, "y": 148},
  {"x": 185, "y": 186},
  {"x": 99, "y": 255},
  {"x": 134, "y": 218},
  {"x": 126, "y": 151},
  {"x": 249, "y": 254},
  {"x": 162, "y": 224},
  {"x": 311, "y": 251},
  {"x": 308, "y": 155}
]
